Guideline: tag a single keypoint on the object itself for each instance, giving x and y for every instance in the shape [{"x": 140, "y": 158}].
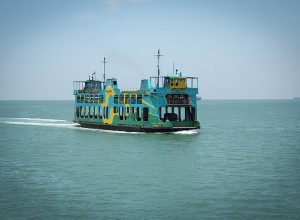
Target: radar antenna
[{"x": 158, "y": 55}]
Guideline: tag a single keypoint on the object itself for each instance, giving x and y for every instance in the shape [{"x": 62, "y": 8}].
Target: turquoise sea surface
[{"x": 244, "y": 163}]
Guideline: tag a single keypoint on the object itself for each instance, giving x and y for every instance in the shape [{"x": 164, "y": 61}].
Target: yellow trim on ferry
[
  {"x": 147, "y": 103},
  {"x": 109, "y": 92}
]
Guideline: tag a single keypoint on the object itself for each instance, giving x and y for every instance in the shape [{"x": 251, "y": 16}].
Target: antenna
[
  {"x": 158, "y": 70},
  {"x": 104, "y": 62},
  {"x": 173, "y": 67}
]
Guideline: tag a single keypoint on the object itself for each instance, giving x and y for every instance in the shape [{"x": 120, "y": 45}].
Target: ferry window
[
  {"x": 138, "y": 114},
  {"x": 162, "y": 112},
  {"x": 188, "y": 114},
  {"x": 133, "y": 99},
  {"x": 126, "y": 112},
  {"x": 169, "y": 109},
  {"x": 176, "y": 111},
  {"x": 86, "y": 111},
  {"x": 77, "y": 112},
  {"x": 107, "y": 113},
  {"x": 132, "y": 110},
  {"x": 139, "y": 99},
  {"x": 167, "y": 81},
  {"x": 121, "y": 101},
  {"x": 145, "y": 114},
  {"x": 126, "y": 99},
  {"x": 96, "y": 113},
  {"x": 81, "y": 112},
  {"x": 116, "y": 99},
  {"x": 114, "y": 83},
  {"x": 193, "y": 109},
  {"x": 121, "y": 113},
  {"x": 91, "y": 112},
  {"x": 115, "y": 110},
  {"x": 99, "y": 110},
  {"x": 101, "y": 98},
  {"x": 159, "y": 112},
  {"x": 182, "y": 113}
]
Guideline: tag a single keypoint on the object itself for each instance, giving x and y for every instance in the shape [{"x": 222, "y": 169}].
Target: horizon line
[{"x": 205, "y": 99}]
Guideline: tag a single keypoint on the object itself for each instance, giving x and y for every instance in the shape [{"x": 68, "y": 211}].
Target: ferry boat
[{"x": 161, "y": 104}]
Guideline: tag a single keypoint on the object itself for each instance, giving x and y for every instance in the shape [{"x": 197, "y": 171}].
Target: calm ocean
[{"x": 244, "y": 163}]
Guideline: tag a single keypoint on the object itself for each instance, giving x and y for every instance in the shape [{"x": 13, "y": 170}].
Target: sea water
[{"x": 244, "y": 163}]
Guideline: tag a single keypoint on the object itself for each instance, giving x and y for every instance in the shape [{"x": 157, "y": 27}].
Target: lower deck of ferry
[{"x": 137, "y": 119}]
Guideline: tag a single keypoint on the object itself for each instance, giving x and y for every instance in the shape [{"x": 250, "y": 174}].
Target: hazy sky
[{"x": 238, "y": 49}]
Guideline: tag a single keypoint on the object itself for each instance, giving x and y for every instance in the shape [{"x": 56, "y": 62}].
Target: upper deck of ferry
[{"x": 172, "y": 83}]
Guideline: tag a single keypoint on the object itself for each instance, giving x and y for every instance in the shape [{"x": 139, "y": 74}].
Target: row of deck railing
[{"x": 191, "y": 82}]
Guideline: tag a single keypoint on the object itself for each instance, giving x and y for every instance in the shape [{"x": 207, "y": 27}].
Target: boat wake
[
  {"x": 38, "y": 122},
  {"x": 59, "y": 123}
]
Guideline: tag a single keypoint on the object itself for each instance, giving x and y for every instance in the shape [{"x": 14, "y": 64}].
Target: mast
[
  {"x": 158, "y": 70},
  {"x": 104, "y": 62},
  {"x": 173, "y": 67}
]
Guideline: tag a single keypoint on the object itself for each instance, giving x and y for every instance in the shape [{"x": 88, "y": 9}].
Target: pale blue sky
[{"x": 238, "y": 49}]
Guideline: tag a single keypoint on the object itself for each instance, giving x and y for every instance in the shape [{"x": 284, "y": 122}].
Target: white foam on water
[
  {"x": 39, "y": 119},
  {"x": 41, "y": 124},
  {"x": 110, "y": 131},
  {"x": 56, "y": 123},
  {"x": 187, "y": 132}
]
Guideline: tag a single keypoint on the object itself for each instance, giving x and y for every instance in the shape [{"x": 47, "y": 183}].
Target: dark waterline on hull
[{"x": 136, "y": 128}]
